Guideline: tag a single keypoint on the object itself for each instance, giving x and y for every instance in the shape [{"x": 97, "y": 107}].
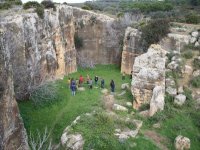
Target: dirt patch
[{"x": 157, "y": 139}]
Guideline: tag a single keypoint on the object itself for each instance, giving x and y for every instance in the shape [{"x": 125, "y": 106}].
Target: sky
[{"x": 58, "y": 1}]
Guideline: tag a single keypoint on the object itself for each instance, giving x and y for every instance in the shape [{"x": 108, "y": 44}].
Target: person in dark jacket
[
  {"x": 112, "y": 85},
  {"x": 96, "y": 78},
  {"x": 73, "y": 87},
  {"x": 102, "y": 83}
]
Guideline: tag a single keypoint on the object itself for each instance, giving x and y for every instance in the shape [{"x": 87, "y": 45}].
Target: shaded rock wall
[
  {"x": 41, "y": 49},
  {"x": 102, "y": 36},
  {"x": 148, "y": 72},
  {"x": 12, "y": 132},
  {"x": 131, "y": 49}
]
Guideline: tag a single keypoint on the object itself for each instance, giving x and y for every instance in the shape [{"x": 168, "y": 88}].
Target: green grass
[
  {"x": 56, "y": 116},
  {"x": 188, "y": 54},
  {"x": 196, "y": 82}
]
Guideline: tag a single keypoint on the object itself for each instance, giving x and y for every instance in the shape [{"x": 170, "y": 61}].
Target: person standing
[
  {"x": 102, "y": 83},
  {"x": 96, "y": 78},
  {"x": 81, "y": 79},
  {"x": 69, "y": 82},
  {"x": 112, "y": 86},
  {"x": 88, "y": 79},
  {"x": 73, "y": 87},
  {"x": 90, "y": 83}
]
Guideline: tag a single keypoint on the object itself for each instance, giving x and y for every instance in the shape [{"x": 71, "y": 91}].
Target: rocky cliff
[
  {"x": 102, "y": 36},
  {"x": 12, "y": 132},
  {"x": 131, "y": 49},
  {"x": 40, "y": 49}
]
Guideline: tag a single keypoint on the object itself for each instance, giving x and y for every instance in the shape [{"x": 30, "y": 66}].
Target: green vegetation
[
  {"x": 48, "y": 4},
  {"x": 9, "y": 3},
  {"x": 86, "y": 7},
  {"x": 39, "y": 9},
  {"x": 188, "y": 54},
  {"x": 196, "y": 63},
  {"x": 192, "y": 18},
  {"x": 154, "y": 31},
  {"x": 78, "y": 41},
  {"x": 196, "y": 82},
  {"x": 56, "y": 116},
  {"x": 146, "y": 6}
]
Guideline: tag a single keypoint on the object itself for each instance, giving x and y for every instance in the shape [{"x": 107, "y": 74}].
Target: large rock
[
  {"x": 125, "y": 86},
  {"x": 131, "y": 49},
  {"x": 157, "y": 101},
  {"x": 182, "y": 143},
  {"x": 180, "y": 99},
  {"x": 12, "y": 133},
  {"x": 72, "y": 141},
  {"x": 118, "y": 107},
  {"x": 148, "y": 72},
  {"x": 171, "y": 91},
  {"x": 40, "y": 49}
]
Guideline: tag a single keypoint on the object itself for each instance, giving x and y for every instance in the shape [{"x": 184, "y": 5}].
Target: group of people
[{"x": 75, "y": 84}]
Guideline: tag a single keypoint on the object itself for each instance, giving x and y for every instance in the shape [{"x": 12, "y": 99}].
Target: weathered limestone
[
  {"x": 148, "y": 72},
  {"x": 40, "y": 49},
  {"x": 157, "y": 101},
  {"x": 12, "y": 132},
  {"x": 131, "y": 49},
  {"x": 101, "y": 37},
  {"x": 182, "y": 143}
]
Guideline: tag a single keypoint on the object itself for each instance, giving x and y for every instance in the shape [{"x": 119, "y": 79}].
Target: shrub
[
  {"x": 86, "y": 7},
  {"x": 5, "y": 5},
  {"x": 196, "y": 63},
  {"x": 154, "y": 31},
  {"x": 18, "y": 2},
  {"x": 78, "y": 41},
  {"x": 196, "y": 82},
  {"x": 48, "y": 4},
  {"x": 31, "y": 4},
  {"x": 188, "y": 54},
  {"x": 40, "y": 11},
  {"x": 192, "y": 18},
  {"x": 44, "y": 94}
]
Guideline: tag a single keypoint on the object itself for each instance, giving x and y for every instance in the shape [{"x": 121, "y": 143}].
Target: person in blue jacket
[{"x": 73, "y": 87}]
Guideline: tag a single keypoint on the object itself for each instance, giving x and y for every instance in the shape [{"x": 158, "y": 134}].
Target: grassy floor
[{"x": 60, "y": 114}]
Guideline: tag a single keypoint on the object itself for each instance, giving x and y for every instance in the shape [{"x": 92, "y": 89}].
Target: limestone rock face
[
  {"x": 12, "y": 132},
  {"x": 40, "y": 49},
  {"x": 157, "y": 101},
  {"x": 148, "y": 72},
  {"x": 131, "y": 49},
  {"x": 182, "y": 143},
  {"x": 101, "y": 37}
]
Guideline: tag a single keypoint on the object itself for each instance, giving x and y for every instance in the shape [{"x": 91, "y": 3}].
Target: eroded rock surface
[
  {"x": 12, "y": 132},
  {"x": 148, "y": 72}
]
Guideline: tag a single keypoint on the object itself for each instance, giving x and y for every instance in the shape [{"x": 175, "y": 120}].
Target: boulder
[
  {"x": 188, "y": 69},
  {"x": 104, "y": 91},
  {"x": 193, "y": 40},
  {"x": 156, "y": 125},
  {"x": 180, "y": 90},
  {"x": 169, "y": 82},
  {"x": 81, "y": 89},
  {"x": 173, "y": 65},
  {"x": 72, "y": 141},
  {"x": 195, "y": 34},
  {"x": 182, "y": 143},
  {"x": 118, "y": 107},
  {"x": 157, "y": 101},
  {"x": 108, "y": 102},
  {"x": 171, "y": 91},
  {"x": 125, "y": 86},
  {"x": 148, "y": 71},
  {"x": 122, "y": 93},
  {"x": 180, "y": 99},
  {"x": 196, "y": 73},
  {"x": 196, "y": 44},
  {"x": 129, "y": 104}
]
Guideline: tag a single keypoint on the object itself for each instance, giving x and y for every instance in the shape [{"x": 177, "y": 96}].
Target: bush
[
  {"x": 40, "y": 11},
  {"x": 31, "y": 4},
  {"x": 188, "y": 54},
  {"x": 154, "y": 31},
  {"x": 86, "y": 7},
  {"x": 196, "y": 82},
  {"x": 78, "y": 41},
  {"x": 48, "y": 4},
  {"x": 5, "y": 5},
  {"x": 196, "y": 63},
  {"x": 192, "y": 18}
]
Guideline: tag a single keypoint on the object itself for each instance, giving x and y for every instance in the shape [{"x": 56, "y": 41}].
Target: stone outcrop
[
  {"x": 182, "y": 143},
  {"x": 40, "y": 49},
  {"x": 12, "y": 132},
  {"x": 157, "y": 101},
  {"x": 148, "y": 72},
  {"x": 101, "y": 37},
  {"x": 131, "y": 49}
]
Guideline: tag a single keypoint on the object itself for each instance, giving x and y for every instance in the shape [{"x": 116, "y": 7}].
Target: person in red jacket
[{"x": 81, "y": 79}]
